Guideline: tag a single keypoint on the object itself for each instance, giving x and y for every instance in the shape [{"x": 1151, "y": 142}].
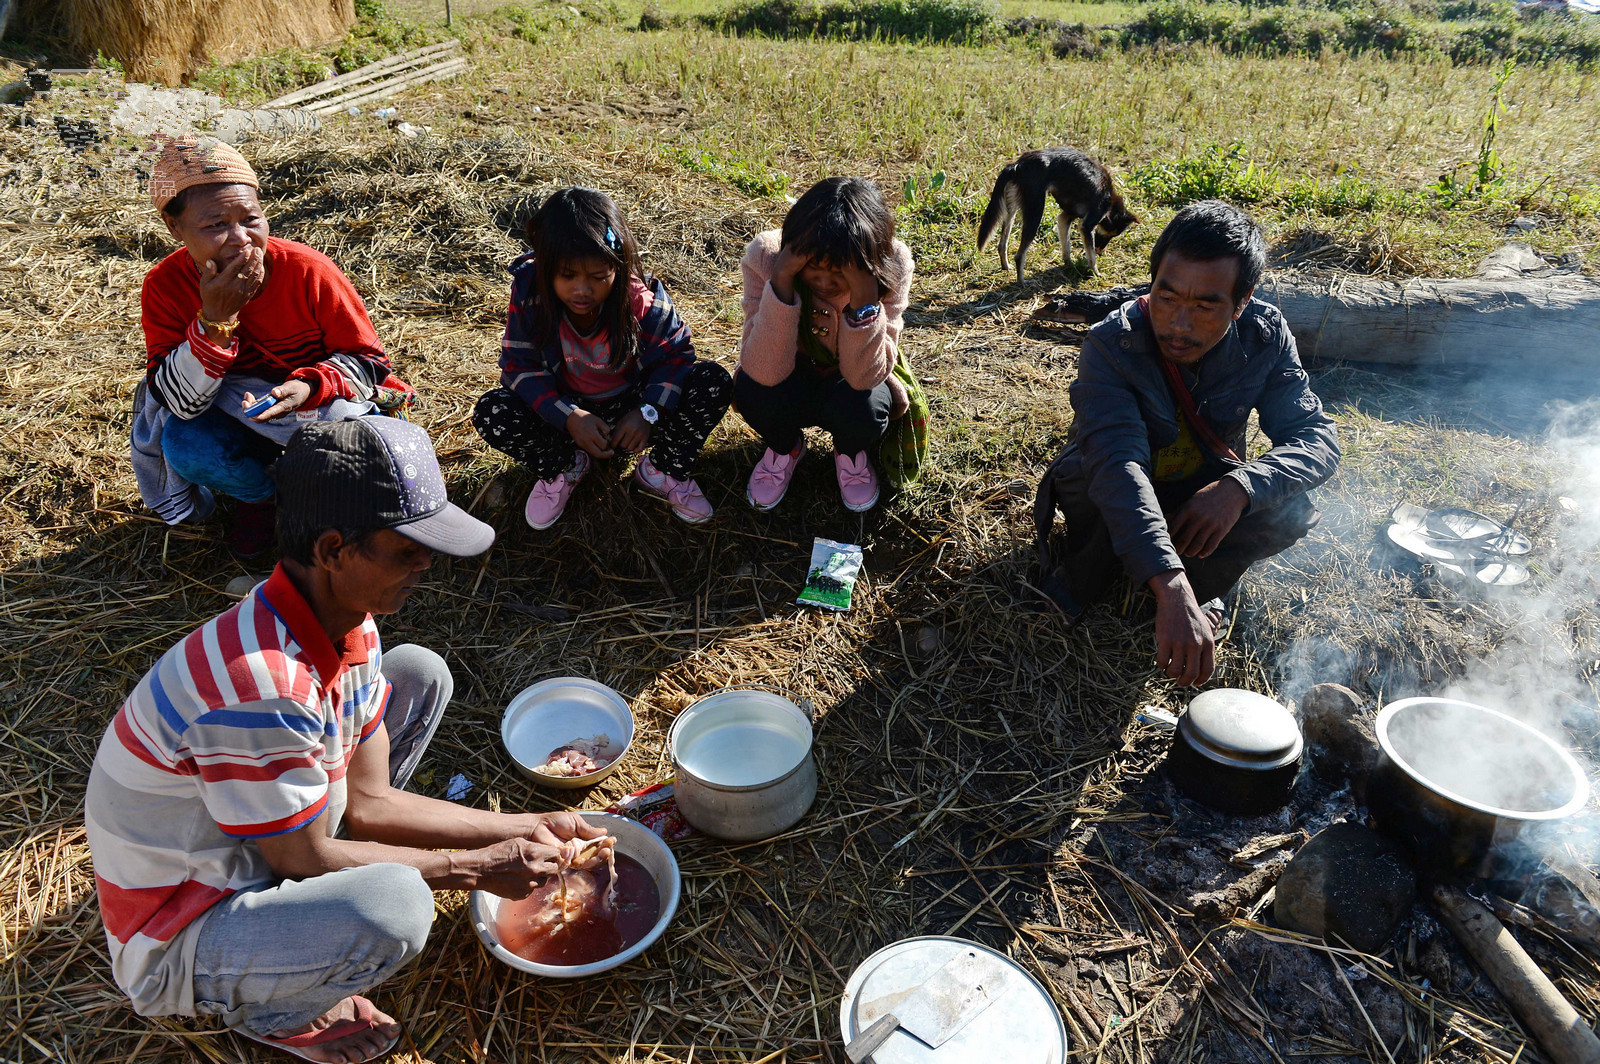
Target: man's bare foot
[
  {"x": 352, "y": 1031},
  {"x": 1217, "y": 614}
]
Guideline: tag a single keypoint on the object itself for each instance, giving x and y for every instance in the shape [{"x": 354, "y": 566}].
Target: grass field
[
  {"x": 1352, "y": 147},
  {"x": 983, "y": 773},
  {"x": 432, "y": 12}
]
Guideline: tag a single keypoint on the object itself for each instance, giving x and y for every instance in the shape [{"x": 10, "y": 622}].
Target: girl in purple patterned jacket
[{"x": 596, "y": 361}]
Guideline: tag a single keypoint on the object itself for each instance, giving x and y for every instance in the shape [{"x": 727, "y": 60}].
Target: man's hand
[
  {"x": 290, "y": 396},
  {"x": 1185, "y": 642},
  {"x": 591, "y": 432},
  {"x": 555, "y": 828},
  {"x": 1208, "y": 516},
  {"x": 632, "y": 433},
  {"x": 784, "y": 270},
  {"x": 225, "y": 289},
  {"x": 863, "y": 286},
  {"x": 511, "y": 869}
]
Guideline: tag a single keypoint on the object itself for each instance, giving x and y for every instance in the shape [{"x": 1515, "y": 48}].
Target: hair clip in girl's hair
[{"x": 611, "y": 239}]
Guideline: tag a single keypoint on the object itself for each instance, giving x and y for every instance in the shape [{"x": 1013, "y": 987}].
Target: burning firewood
[{"x": 1559, "y": 1029}]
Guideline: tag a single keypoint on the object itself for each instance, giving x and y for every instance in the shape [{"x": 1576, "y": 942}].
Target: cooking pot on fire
[
  {"x": 1236, "y": 751},
  {"x": 1456, "y": 781},
  {"x": 743, "y": 764}
]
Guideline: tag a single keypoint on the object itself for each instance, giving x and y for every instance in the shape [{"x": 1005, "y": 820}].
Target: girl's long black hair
[
  {"x": 576, "y": 224},
  {"x": 843, "y": 220}
]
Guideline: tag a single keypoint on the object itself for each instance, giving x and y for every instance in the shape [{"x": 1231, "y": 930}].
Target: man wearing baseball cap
[
  {"x": 247, "y": 337},
  {"x": 255, "y": 854}
]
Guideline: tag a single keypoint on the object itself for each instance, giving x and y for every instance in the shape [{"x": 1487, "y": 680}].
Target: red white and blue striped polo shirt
[{"x": 242, "y": 730}]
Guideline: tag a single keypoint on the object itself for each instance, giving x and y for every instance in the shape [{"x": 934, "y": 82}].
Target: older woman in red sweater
[
  {"x": 824, "y": 303},
  {"x": 247, "y": 337}
]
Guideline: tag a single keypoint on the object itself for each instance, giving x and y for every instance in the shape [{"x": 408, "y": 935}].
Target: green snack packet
[{"x": 832, "y": 577}]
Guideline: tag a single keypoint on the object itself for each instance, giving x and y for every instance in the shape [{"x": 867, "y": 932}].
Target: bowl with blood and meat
[
  {"x": 567, "y": 732},
  {"x": 565, "y": 930}
]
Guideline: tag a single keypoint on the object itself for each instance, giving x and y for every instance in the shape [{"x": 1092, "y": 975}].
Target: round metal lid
[
  {"x": 1021, "y": 1027},
  {"x": 1241, "y": 728}
]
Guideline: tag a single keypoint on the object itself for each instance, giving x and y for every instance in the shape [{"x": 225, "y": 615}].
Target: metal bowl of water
[
  {"x": 633, "y": 840},
  {"x": 1456, "y": 782}
]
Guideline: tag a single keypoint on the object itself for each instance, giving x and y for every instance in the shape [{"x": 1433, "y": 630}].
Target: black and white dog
[{"x": 1082, "y": 189}]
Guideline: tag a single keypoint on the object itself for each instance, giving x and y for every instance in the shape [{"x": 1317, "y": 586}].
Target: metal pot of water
[
  {"x": 1456, "y": 781},
  {"x": 743, "y": 764}
]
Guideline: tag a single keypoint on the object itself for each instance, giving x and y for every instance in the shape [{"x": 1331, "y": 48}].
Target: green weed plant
[
  {"x": 378, "y": 33},
  {"x": 744, "y": 174}
]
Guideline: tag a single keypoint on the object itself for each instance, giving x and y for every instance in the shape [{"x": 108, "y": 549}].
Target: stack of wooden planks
[{"x": 379, "y": 80}]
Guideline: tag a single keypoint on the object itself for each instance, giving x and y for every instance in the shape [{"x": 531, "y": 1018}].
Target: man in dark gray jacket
[{"x": 1154, "y": 472}]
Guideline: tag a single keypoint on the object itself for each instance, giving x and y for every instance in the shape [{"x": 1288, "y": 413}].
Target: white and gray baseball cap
[{"x": 375, "y": 472}]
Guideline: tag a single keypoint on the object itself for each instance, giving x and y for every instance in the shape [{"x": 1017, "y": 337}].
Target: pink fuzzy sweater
[{"x": 772, "y": 327}]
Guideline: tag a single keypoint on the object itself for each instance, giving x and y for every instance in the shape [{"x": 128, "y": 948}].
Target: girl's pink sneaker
[
  {"x": 684, "y": 496},
  {"x": 858, "y": 484},
  {"x": 769, "y": 480},
  {"x": 548, "y": 499}
]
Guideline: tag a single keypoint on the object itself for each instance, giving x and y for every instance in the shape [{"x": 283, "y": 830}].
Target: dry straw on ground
[{"x": 981, "y": 772}]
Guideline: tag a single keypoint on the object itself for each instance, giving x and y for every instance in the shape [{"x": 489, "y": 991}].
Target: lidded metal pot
[{"x": 1236, "y": 751}]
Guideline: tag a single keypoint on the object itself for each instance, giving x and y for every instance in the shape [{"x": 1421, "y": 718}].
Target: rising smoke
[
  {"x": 1532, "y": 652},
  {"x": 1544, "y": 670}
]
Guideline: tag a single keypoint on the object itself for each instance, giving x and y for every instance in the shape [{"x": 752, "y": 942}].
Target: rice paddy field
[{"x": 985, "y": 773}]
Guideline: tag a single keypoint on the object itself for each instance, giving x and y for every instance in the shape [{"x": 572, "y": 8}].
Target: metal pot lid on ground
[
  {"x": 1241, "y": 729},
  {"x": 1021, "y": 1026},
  {"x": 1462, "y": 542}
]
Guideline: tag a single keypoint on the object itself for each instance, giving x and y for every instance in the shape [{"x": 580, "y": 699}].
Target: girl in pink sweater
[{"x": 824, "y": 303}]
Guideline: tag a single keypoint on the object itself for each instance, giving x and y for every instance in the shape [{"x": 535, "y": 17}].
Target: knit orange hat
[{"x": 187, "y": 162}]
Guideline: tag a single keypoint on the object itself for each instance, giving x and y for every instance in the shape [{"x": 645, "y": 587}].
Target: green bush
[
  {"x": 1377, "y": 32},
  {"x": 940, "y": 21},
  {"x": 1295, "y": 32},
  {"x": 1475, "y": 10},
  {"x": 377, "y": 34},
  {"x": 1478, "y": 31},
  {"x": 1217, "y": 173},
  {"x": 1547, "y": 37},
  {"x": 653, "y": 18},
  {"x": 1482, "y": 42},
  {"x": 1183, "y": 22},
  {"x": 267, "y": 76}
]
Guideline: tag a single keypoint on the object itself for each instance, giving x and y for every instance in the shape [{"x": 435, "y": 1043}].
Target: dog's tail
[{"x": 997, "y": 205}]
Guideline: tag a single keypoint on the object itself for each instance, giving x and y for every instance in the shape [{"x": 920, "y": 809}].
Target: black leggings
[
  {"x": 508, "y": 424},
  {"x": 779, "y": 412}
]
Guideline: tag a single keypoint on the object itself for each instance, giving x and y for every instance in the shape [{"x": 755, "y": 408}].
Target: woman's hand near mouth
[{"x": 226, "y": 286}]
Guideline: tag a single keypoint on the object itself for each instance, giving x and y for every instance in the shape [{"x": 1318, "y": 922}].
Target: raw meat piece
[{"x": 578, "y": 757}]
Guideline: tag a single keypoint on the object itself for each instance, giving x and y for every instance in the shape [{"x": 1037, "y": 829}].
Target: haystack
[{"x": 168, "y": 40}]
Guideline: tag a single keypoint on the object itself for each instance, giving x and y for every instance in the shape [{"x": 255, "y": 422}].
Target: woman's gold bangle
[{"x": 226, "y": 328}]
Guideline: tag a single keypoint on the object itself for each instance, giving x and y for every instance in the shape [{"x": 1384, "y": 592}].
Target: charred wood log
[
  {"x": 1242, "y": 893},
  {"x": 1565, "y": 1036}
]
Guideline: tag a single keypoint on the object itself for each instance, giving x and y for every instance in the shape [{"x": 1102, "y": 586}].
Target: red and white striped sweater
[{"x": 307, "y": 323}]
